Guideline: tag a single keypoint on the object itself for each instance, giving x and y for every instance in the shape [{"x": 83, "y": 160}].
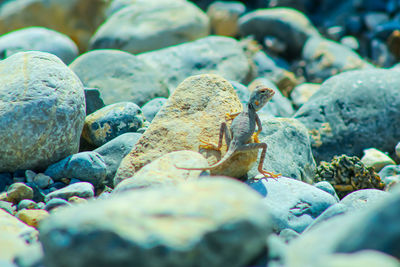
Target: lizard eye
[{"x": 257, "y": 102}]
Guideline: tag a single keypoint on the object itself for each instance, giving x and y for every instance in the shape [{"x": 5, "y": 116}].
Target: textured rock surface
[
  {"x": 77, "y": 19},
  {"x": 163, "y": 172},
  {"x": 85, "y": 166},
  {"x": 345, "y": 114},
  {"x": 289, "y": 150},
  {"x": 149, "y": 25},
  {"x": 42, "y": 110},
  {"x": 292, "y": 204},
  {"x": 114, "y": 151},
  {"x": 111, "y": 121},
  {"x": 324, "y": 58},
  {"x": 39, "y": 39},
  {"x": 213, "y": 54},
  {"x": 288, "y": 25},
  {"x": 193, "y": 112},
  {"x": 121, "y": 77},
  {"x": 159, "y": 231}
]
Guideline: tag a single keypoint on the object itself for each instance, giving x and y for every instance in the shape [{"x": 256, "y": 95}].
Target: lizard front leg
[
  {"x": 259, "y": 129},
  {"x": 223, "y": 131},
  {"x": 262, "y": 146}
]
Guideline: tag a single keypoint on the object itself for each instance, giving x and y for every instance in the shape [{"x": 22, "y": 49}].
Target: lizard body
[{"x": 242, "y": 129}]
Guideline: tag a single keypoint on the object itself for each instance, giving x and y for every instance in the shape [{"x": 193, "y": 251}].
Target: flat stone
[
  {"x": 324, "y": 58},
  {"x": 147, "y": 222},
  {"x": 111, "y": 121},
  {"x": 81, "y": 189},
  {"x": 162, "y": 171},
  {"x": 32, "y": 217},
  {"x": 114, "y": 151},
  {"x": 376, "y": 158},
  {"x": 289, "y": 149},
  {"x": 39, "y": 39},
  {"x": 288, "y": 25},
  {"x": 44, "y": 110},
  {"x": 122, "y": 76},
  {"x": 85, "y": 166},
  {"x": 194, "y": 111},
  {"x": 214, "y": 54},
  {"x": 19, "y": 191},
  {"x": 293, "y": 204},
  {"x": 345, "y": 114},
  {"x": 146, "y": 25}
]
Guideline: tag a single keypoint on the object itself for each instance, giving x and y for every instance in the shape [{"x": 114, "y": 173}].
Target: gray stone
[
  {"x": 152, "y": 228},
  {"x": 327, "y": 187},
  {"x": 27, "y": 204},
  {"x": 150, "y": 25},
  {"x": 81, "y": 189},
  {"x": 293, "y": 204},
  {"x": 19, "y": 191},
  {"x": 29, "y": 175},
  {"x": 93, "y": 100},
  {"x": 111, "y": 121},
  {"x": 7, "y": 206},
  {"x": 114, "y": 151},
  {"x": 358, "y": 200},
  {"x": 286, "y": 24},
  {"x": 213, "y": 54},
  {"x": 38, "y": 39},
  {"x": 77, "y": 19},
  {"x": 324, "y": 58},
  {"x": 55, "y": 203},
  {"x": 121, "y": 77},
  {"x": 345, "y": 114},
  {"x": 151, "y": 108},
  {"x": 372, "y": 228},
  {"x": 85, "y": 166},
  {"x": 44, "y": 111},
  {"x": 289, "y": 150},
  {"x": 42, "y": 180}
]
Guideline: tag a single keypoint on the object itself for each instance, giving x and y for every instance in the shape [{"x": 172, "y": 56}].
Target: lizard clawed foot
[
  {"x": 255, "y": 137},
  {"x": 231, "y": 116},
  {"x": 208, "y": 145},
  {"x": 270, "y": 175}
]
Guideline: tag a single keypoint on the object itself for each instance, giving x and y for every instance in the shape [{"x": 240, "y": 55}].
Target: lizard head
[{"x": 260, "y": 96}]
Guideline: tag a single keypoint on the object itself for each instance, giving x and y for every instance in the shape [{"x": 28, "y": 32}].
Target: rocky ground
[{"x": 100, "y": 101}]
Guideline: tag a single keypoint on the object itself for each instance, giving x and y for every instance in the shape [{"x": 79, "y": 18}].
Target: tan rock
[
  {"x": 19, "y": 191},
  {"x": 162, "y": 171},
  {"x": 376, "y": 158},
  {"x": 32, "y": 217},
  {"x": 192, "y": 113}
]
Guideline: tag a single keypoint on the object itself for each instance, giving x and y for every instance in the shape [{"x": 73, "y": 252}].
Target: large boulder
[
  {"x": 353, "y": 111},
  {"x": 42, "y": 111}
]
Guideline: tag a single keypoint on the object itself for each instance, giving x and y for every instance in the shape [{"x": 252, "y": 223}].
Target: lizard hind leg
[{"x": 223, "y": 131}]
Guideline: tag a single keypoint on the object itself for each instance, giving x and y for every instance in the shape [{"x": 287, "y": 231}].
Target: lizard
[{"x": 241, "y": 130}]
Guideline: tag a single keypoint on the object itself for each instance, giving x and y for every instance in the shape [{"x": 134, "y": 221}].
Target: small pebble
[
  {"x": 19, "y": 191},
  {"x": 43, "y": 181},
  {"x": 77, "y": 200},
  {"x": 56, "y": 202},
  {"x": 30, "y": 175},
  {"x": 82, "y": 189},
  {"x": 32, "y": 217},
  {"x": 27, "y": 204},
  {"x": 377, "y": 159}
]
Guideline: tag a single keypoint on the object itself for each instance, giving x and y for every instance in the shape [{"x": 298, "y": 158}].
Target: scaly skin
[{"x": 242, "y": 129}]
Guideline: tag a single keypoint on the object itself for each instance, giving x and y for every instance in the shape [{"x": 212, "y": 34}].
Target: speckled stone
[
  {"x": 189, "y": 220},
  {"x": 111, "y": 121},
  {"x": 194, "y": 111},
  {"x": 19, "y": 191},
  {"x": 43, "y": 124},
  {"x": 32, "y": 217}
]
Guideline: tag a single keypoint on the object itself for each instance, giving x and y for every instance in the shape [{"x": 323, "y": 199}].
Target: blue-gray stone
[
  {"x": 42, "y": 180},
  {"x": 56, "y": 202},
  {"x": 294, "y": 204},
  {"x": 151, "y": 108},
  {"x": 44, "y": 110},
  {"x": 325, "y": 58},
  {"x": 26, "y": 204},
  {"x": 345, "y": 114},
  {"x": 380, "y": 54},
  {"x": 38, "y": 39},
  {"x": 289, "y": 149},
  {"x": 121, "y": 77},
  {"x": 93, "y": 100},
  {"x": 82, "y": 190},
  {"x": 114, "y": 151},
  {"x": 288, "y": 25},
  {"x": 327, "y": 187},
  {"x": 85, "y": 166},
  {"x": 37, "y": 193},
  {"x": 111, "y": 121},
  {"x": 242, "y": 91}
]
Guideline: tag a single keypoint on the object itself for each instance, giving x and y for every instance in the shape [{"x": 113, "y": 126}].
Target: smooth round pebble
[
  {"x": 42, "y": 180},
  {"x": 151, "y": 108},
  {"x": 19, "y": 191},
  {"x": 82, "y": 189},
  {"x": 27, "y": 204},
  {"x": 55, "y": 203}
]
